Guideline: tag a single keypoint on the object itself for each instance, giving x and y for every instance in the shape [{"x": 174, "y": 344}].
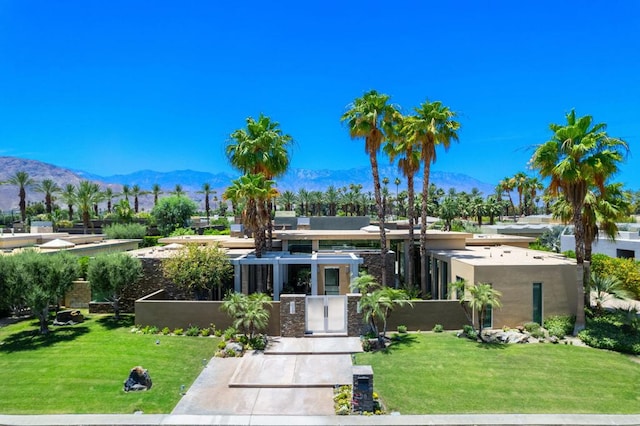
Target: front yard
[{"x": 440, "y": 373}]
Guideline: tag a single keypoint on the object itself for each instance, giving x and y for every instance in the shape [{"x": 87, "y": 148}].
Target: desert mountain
[{"x": 192, "y": 181}]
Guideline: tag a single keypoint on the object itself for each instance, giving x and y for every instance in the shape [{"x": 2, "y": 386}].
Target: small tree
[
  {"x": 249, "y": 313},
  {"x": 604, "y": 288},
  {"x": 377, "y": 302},
  {"x": 173, "y": 212},
  {"x": 43, "y": 280},
  {"x": 200, "y": 270},
  {"x": 477, "y": 298},
  {"x": 111, "y": 273}
]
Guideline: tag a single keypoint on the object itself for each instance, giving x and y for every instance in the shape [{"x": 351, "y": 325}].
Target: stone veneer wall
[
  {"x": 374, "y": 267},
  {"x": 78, "y": 296},
  {"x": 354, "y": 318},
  {"x": 292, "y": 324}
]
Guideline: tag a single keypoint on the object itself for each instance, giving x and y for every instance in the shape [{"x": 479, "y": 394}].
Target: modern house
[{"x": 625, "y": 245}]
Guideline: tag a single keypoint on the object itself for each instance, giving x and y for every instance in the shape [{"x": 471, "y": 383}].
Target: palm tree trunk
[
  {"x": 423, "y": 228},
  {"x": 383, "y": 234},
  {"x": 412, "y": 215},
  {"x": 580, "y": 277}
]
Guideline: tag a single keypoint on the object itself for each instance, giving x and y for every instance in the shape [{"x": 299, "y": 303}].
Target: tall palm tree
[
  {"x": 402, "y": 145},
  {"x": 579, "y": 154},
  {"x": 435, "y": 125},
  {"x": 23, "y": 181},
  {"x": 178, "y": 191},
  {"x": 520, "y": 184},
  {"x": 371, "y": 117},
  {"x": 126, "y": 192},
  {"x": 156, "y": 191},
  {"x": 136, "y": 192},
  {"x": 49, "y": 188},
  {"x": 332, "y": 197},
  {"x": 109, "y": 195},
  {"x": 507, "y": 185},
  {"x": 533, "y": 185},
  {"x": 287, "y": 198},
  {"x": 207, "y": 191},
  {"x": 87, "y": 194},
  {"x": 303, "y": 201},
  {"x": 68, "y": 195}
]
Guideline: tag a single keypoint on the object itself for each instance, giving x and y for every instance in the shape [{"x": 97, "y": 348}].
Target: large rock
[{"x": 501, "y": 336}]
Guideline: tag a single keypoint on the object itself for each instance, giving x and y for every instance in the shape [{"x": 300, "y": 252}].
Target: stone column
[
  {"x": 354, "y": 317},
  {"x": 292, "y": 315}
]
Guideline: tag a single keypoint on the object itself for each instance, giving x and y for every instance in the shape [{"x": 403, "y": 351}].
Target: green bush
[
  {"x": 125, "y": 231},
  {"x": 626, "y": 270},
  {"x": 64, "y": 224},
  {"x": 173, "y": 212},
  {"x": 402, "y": 329},
  {"x": 205, "y": 332},
  {"x": 469, "y": 332},
  {"x": 178, "y": 331},
  {"x": 150, "y": 241},
  {"x": 560, "y": 325},
  {"x": 230, "y": 333},
  {"x": 192, "y": 331},
  {"x": 178, "y": 232},
  {"x": 222, "y": 344},
  {"x": 438, "y": 328},
  {"x": 608, "y": 332},
  {"x": 531, "y": 327},
  {"x": 166, "y": 331},
  {"x": 83, "y": 265}
]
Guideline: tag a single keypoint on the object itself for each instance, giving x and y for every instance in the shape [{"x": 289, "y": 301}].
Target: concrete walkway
[{"x": 294, "y": 376}]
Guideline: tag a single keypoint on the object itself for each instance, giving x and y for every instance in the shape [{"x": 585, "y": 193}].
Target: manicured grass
[
  {"x": 81, "y": 368},
  {"x": 440, "y": 373}
]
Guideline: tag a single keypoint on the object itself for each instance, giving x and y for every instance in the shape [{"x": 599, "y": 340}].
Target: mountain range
[{"x": 192, "y": 181}]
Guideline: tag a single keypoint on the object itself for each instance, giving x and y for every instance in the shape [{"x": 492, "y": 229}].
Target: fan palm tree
[
  {"x": 519, "y": 181},
  {"x": 402, "y": 145},
  {"x": 287, "y": 198},
  {"x": 126, "y": 192},
  {"x": 178, "y": 191},
  {"x": 49, "y": 188},
  {"x": 332, "y": 197},
  {"x": 579, "y": 155},
  {"x": 434, "y": 126},
  {"x": 371, "y": 117},
  {"x": 507, "y": 185},
  {"x": 22, "y": 180},
  {"x": 109, "y": 195},
  {"x": 137, "y": 192}
]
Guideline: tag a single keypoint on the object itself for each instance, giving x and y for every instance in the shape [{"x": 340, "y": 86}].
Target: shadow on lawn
[
  {"x": 398, "y": 341},
  {"x": 29, "y": 340},
  {"x": 111, "y": 323}
]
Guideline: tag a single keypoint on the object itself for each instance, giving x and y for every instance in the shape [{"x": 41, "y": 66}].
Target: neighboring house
[{"x": 626, "y": 244}]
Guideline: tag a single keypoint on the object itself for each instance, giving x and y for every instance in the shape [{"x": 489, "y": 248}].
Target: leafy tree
[
  {"x": 22, "y": 180},
  {"x": 579, "y": 155},
  {"x": 435, "y": 125},
  {"x": 371, "y": 117},
  {"x": 111, "y": 273},
  {"x": 49, "y": 188},
  {"x": 199, "y": 269},
  {"x": 377, "y": 302},
  {"x": 248, "y": 313},
  {"x": 173, "y": 212},
  {"x": 42, "y": 280}
]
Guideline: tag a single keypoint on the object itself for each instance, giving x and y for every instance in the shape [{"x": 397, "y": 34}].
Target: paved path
[{"x": 294, "y": 376}]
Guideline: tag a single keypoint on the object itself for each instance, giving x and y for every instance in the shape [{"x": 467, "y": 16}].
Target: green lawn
[
  {"x": 440, "y": 373},
  {"x": 81, "y": 368}
]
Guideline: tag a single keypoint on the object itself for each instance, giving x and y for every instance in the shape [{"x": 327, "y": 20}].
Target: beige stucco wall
[
  {"x": 516, "y": 285},
  {"x": 344, "y": 277}
]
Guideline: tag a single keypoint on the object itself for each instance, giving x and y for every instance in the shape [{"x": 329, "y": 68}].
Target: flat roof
[
  {"x": 358, "y": 234},
  {"x": 504, "y": 256}
]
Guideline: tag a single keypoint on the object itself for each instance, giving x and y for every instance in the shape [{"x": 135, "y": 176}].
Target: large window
[
  {"x": 537, "y": 303},
  {"x": 488, "y": 317},
  {"x": 349, "y": 244},
  {"x": 444, "y": 280}
]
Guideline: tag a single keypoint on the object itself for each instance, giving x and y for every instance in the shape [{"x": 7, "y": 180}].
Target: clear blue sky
[{"x": 118, "y": 86}]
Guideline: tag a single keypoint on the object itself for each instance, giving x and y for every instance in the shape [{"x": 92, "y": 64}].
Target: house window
[
  {"x": 487, "y": 321},
  {"x": 537, "y": 303},
  {"x": 427, "y": 265},
  {"x": 444, "y": 281},
  {"x": 459, "y": 290}
]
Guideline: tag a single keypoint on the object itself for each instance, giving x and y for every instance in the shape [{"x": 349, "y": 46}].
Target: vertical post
[{"x": 237, "y": 274}]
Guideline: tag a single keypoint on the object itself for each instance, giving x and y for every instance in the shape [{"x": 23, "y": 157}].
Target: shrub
[
  {"x": 205, "y": 332},
  {"x": 150, "y": 241},
  {"x": 560, "y": 325},
  {"x": 64, "y": 224},
  {"x": 342, "y": 400},
  {"x": 222, "y": 344},
  {"x": 178, "y": 331},
  {"x": 607, "y": 332},
  {"x": 625, "y": 270},
  {"x": 258, "y": 343},
  {"x": 166, "y": 331},
  {"x": 83, "y": 265},
  {"x": 192, "y": 331},
  {"x": 173, "y": 212},
  {"x": 217, "y": 333},
  {"x": 531, "y": 327},
  {"x": 438, "y": 328},
  {"x": 402, "y": 329},
  {"x": 182, "y": 231},
  {"x": 470, "y": 332},
  {"x": 230, "y": 333},
  {"x": 125, "y": 231}
]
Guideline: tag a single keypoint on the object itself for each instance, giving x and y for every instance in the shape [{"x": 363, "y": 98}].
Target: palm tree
[
  {"x": 303, "y": 201},
  {"x": 178, "y": 191},
  {"x": 578, "y": 155},
  {"x": 156, "y": 191},
  {"x": 49, "y": 188},
  {"x": 519, "y": 181},
  {"x": 403, "y": 145},
  {"x": 434, "y": 125},
  {"x": 507, "y": 185},
  {"x": 206, "y": 190},
  {"x": 136, "y": 192},
  {"x": 288, "y": 198},
  {"x": 371, "y": 117},
  {"x": 332, "y": 197},
  {"x": 606, "y": 287},
  {"x": 22, "y": 180},
  {"x": 109, "y": 195},
  {"x": 126, "y": 191},
  {"x": 533, "y": 185},
  {"x": 68, "y": 195},
  {"x": 87, "y": 194}
]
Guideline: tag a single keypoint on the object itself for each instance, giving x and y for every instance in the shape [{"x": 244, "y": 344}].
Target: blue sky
[{"x": 119, "y": 86}]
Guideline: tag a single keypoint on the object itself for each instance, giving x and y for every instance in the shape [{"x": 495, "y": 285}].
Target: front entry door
[{"x": 326, "y": 314}]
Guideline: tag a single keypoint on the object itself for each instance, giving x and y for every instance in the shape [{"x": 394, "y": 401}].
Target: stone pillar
[
  {"x": 354, "y": 318},
  {"x": 363, "y": 388},
  {"x": 292, "y": 315}
]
